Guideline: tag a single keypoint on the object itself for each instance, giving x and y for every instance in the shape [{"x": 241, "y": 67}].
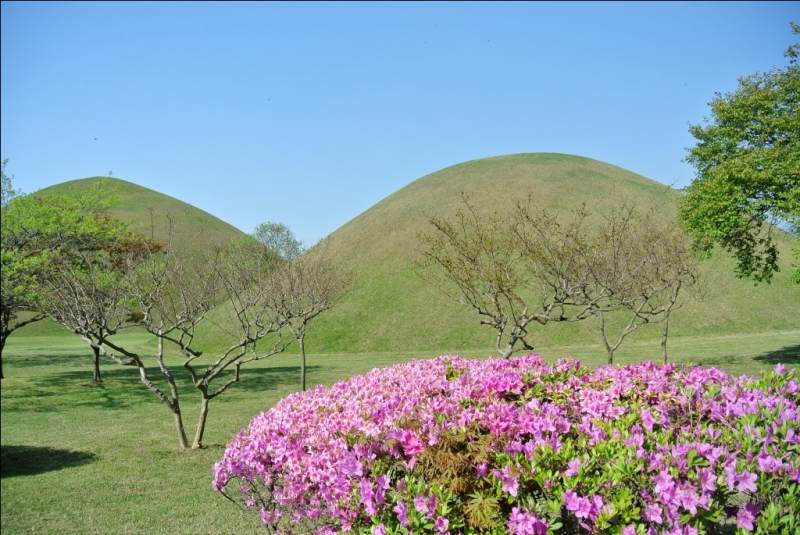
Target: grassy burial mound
[
  {"x": 192, "y": 225},
  {"x": 394, "y": 310}
]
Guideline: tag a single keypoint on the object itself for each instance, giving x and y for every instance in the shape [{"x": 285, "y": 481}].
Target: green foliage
[
  {"x": 279, "y": 238},
  {"x": 7, "y": 191},
  {"x": 748, "y": 169},
  {"x": 39, "y": 232}
]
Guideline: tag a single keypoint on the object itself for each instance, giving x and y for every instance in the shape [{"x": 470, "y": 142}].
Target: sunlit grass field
[{"x": 79, "y": 457}]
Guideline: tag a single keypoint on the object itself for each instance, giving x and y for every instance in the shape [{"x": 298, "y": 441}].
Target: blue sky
[{"x": 310, "y": 113}]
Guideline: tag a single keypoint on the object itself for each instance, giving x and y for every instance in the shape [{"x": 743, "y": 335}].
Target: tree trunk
[
  {"x": 609, "y": 349},
  {"x": 673, "y": 298},
  {"x": 179, "y": 427},
  {"x": 174, "y": 404},
  {"x": 5, "y": 319},
  {"x": 201, "y": 424},
  {"x": 302, "y": 365},
  {"x": 96, "y": 351}
]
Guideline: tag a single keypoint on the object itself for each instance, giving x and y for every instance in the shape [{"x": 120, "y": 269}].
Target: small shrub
[{"x": 497, "y": 446}]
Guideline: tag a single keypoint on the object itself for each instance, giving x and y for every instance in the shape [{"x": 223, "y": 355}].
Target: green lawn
[{"x": 82, "y": 458}]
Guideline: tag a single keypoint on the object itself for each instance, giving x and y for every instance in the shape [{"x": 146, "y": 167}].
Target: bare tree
[
  {"x": 86, "y": 299},
  {"x": 175, "y": 295},
  {"x": 312, "y": 283},
  {"x": 534, "y": 266},
  {"x": 672, "y": 264},
  {"x": 647, "y": 267},
  {"x": 512, "y": 271}
]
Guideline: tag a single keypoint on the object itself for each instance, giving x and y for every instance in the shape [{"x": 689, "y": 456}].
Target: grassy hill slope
[
  {"x": 191, "y": 224},
  {"x": 394, "y": 310}
]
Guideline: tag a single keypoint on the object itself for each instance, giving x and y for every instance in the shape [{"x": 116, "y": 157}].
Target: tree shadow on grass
[
  {"x": 50, "y": 358},
  {"x": 31, "y": 460},
  {"x": 262, "y": 379},
  {"x": 784, "y": 355},
  {"x": 121, "y": 387}
]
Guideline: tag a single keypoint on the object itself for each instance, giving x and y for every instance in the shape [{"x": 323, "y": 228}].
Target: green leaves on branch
[
  {"x": 41, "y": 233},
  {"x": 747, "y": 159}
]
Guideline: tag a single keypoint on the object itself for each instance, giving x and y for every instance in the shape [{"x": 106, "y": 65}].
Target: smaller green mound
[{"x": 191, "y": 226}]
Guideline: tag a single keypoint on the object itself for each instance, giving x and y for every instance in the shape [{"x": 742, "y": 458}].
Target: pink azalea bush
[{"x": 453, "y": 446}]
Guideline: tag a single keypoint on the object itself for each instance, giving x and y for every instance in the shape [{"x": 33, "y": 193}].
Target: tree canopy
[
  {"x": 533, "y": 266},
  {"x": 279, "y": 239},
  {"x": 747, "y": 159},
  {"x": 37, "y": 230}
]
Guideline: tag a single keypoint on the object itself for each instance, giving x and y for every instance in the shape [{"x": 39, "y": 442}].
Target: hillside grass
[
  {"x": 393, "y": 307},
  {"x": 86, "y": 458},
  {"x": 393, "y": 310},
  {"x": 191, "y": 225}
]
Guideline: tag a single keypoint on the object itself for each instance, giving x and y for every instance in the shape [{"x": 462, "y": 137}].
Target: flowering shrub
[{"x": 450, "y": 446}]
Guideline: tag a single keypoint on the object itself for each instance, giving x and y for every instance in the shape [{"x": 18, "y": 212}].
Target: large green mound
[
  {"x": 394, "y": 310},
  {"x": 191, "y": 225}
]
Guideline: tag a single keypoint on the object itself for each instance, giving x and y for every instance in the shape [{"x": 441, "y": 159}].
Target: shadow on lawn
[
  {"x": 31, "y": 460},
  {"x": 784, "y": 355},
  {"x": 50, "y": 358},
  {"x": 121, "y": 387}
]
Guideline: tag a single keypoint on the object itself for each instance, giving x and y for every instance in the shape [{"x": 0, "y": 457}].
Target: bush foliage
[{"x": 449, "y": 446}]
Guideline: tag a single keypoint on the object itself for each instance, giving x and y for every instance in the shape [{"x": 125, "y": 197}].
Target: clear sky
[{"x": 310, "y": 113}]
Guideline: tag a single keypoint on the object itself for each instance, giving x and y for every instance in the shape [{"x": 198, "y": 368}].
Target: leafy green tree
[
  {"x": 747, "y": 159},
  {"x": 279, "y": 239},
  {"x": 35, "y": 230}
]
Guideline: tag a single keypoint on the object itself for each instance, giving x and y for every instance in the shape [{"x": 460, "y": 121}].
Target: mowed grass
[
  {"x": 79, "y": 457},
  {"x": 190, "y": 225},
  {"x": 393, "y": 309}
]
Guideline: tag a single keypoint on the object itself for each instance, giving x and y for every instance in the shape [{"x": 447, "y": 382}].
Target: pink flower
[
  {"x": 421, "y": 504},
  {"x": 647, "y": 420},
  {"x": 747, "y": 481},
  {"x": 582, "y": 507},
  {"x": 402, "y": 513},
  {"x": 652, "y": 513},
  {"x": 510, "y": 483},
  {"x": 708, "y": 482},
  {"x": 481, "y": 470},
  {"x": 572, "y": 467},
  {"x": 441, "y": 524},
  {"x": 629, "y": 530},
  {"x": 747, "y": 516},
  {"x": 380, "y": 529},
  {"x": 524, "y": 523}
]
